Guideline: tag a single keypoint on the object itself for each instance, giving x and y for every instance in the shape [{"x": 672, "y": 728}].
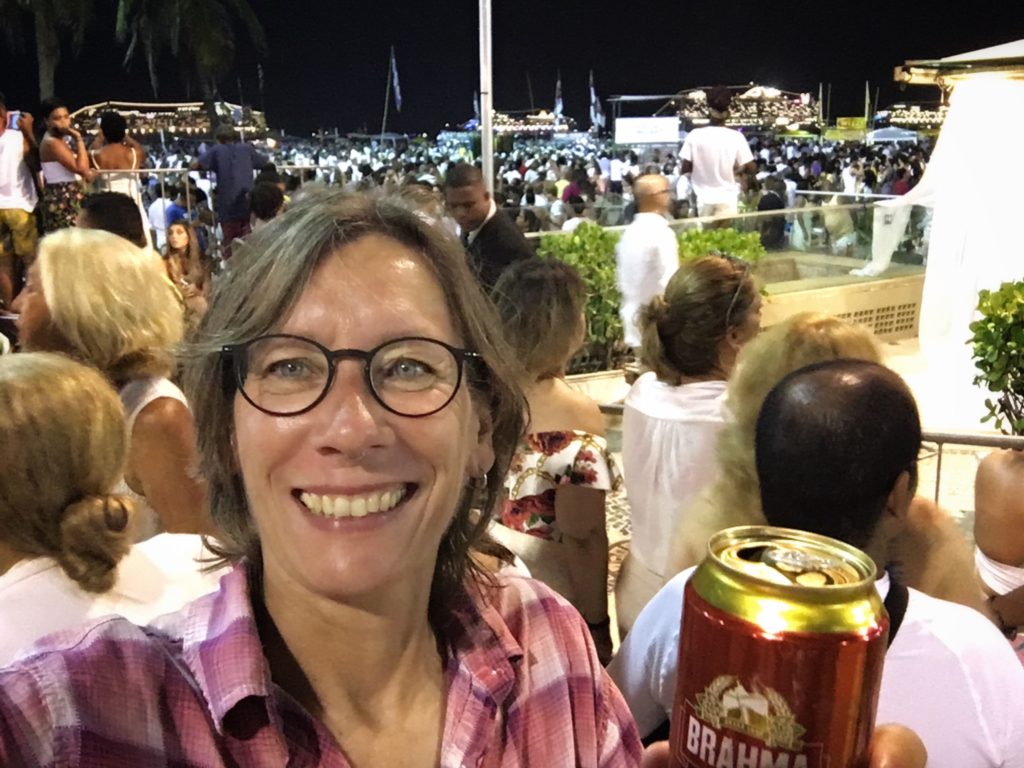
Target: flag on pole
[
  {"x": 476, "y": 106},
  {"x": 259, "y": 74},
  {"x": 558, "y": 96},
  {"x": 394, "y": 81},
  {"x": 596, "y": 111}
]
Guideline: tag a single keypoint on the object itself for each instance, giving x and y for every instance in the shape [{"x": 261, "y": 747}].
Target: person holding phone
[
  {"x": 17, "y": 199},
  {"x": 65, "y": 162}
]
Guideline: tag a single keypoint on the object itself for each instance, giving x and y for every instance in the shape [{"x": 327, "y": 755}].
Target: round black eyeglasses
[{"x": 285, "y": 375}]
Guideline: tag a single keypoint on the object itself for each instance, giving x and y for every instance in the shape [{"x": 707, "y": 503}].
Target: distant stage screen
[{"x": 647, "y": 130}]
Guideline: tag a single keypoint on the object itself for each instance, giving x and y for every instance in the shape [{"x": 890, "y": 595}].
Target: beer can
[{"x": 780, "y": 653}]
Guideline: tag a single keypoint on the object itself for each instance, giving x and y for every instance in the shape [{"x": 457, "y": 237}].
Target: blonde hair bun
[{"x": 95, "y": 533}]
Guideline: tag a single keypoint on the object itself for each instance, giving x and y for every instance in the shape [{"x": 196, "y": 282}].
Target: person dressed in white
[
  {"x": 673, "y": 413},
  {"x": 65, "y": 537},
  {"x": 647, "y": 255},
  {"x": 949, "y": 674},
  {"x": 713, "y": 156}
]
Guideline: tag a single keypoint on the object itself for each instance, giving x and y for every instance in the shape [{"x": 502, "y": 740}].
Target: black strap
[{"x": 896, "y": 605}]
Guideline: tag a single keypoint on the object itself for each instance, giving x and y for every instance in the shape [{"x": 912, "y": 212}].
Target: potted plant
[{"x": 998, "y": 346}]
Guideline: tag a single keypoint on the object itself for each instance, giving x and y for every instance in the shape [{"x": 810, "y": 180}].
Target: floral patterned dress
[{"x": 542, "y": 462}]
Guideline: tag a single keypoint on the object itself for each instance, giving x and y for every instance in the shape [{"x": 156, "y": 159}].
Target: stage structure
[
  {"x": 754, "y": 107},
  {"x": 173, "y": 119}
]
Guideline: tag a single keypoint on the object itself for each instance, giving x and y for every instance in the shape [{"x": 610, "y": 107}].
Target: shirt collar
[
  {"x": 482, "y": 645},
  {"x": 490, "y": 215},
  {"x": 221, "y": 646},
  {"x": 222, "y": 649}
]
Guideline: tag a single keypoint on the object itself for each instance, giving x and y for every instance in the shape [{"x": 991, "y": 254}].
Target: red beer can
[{"x": 780, "y": 654}]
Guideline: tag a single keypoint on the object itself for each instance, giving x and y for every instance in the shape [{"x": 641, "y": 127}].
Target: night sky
[{"x": 326, "y": 62}]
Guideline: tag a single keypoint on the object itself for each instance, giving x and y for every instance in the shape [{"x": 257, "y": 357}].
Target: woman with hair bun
[
  {"x": 63, "y": 534},
  {"x": 691, "y": 337}
]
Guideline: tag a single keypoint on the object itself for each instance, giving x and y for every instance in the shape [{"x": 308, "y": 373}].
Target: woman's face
[
  {"x": 36, "y": 331},
  {"x": 349, "y": 450},
  {"x": 59, "y": 120},
  {"x": 177, "y": 237}
]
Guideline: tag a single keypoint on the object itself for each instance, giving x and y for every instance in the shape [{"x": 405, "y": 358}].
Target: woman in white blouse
[
  {"x": 65, "y": 539},
  {"x": 690, "y": 339}
]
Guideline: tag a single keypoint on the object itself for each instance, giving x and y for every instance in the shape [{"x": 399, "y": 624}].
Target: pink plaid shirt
[{"x": 524, "y": 689}]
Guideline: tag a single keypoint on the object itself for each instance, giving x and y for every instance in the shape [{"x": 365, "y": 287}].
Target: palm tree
[
  {"x": 52, "y": 20},
  {"x": 198, "y": 31}
]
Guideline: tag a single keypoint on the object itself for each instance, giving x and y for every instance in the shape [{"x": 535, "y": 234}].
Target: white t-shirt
[
  {"x": 715, "y": 152},
  {"x": 17, "y": 192},
  {"x": 646, "y": 257},
  {"x": 156, "y": 577},
  {"x": 949, "y": 675},
  {"x": 571, "y": 224},
  {"x": 669, "y": 435},
  {"x": 615, "y": 169}
]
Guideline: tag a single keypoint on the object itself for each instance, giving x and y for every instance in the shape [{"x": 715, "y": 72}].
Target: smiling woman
[{"x": 353, "y": 396}]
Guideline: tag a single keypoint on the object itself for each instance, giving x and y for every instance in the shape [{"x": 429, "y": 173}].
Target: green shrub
[
  {"x": 694, "y": 243},
  {"x": 591, "y": 250},
  {"x": 998, "y": 347}
]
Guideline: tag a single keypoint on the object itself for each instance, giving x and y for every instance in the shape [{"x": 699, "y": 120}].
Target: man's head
[
  {"x": 836, "y": 447},
  {"x": 226, "y": 134},
  {"x": 651, "y": 192},
  {"x": 466, "y": 197},
  {"x": 113, "y": 212},
  {"x": 3, "y": 112},
  {"x": 719, "y": 99}
]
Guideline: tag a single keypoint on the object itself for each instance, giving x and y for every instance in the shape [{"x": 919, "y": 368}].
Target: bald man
[{"x": 647, "y": 255}]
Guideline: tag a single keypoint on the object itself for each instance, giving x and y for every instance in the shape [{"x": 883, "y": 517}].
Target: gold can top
[{"x": 788, "y": 580}]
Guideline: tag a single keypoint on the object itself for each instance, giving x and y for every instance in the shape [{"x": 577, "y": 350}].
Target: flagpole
[
  {"x": 387, "y": 96},
  {"x": 529, "y": 88},
  {"x": 486, "y": 97}
]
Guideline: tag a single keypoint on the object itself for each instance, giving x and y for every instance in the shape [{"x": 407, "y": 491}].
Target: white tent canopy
[{"x": 1014, "y": 50}]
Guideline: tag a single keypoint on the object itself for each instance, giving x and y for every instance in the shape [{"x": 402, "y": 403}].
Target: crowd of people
[{"x": 367, "y": 421}]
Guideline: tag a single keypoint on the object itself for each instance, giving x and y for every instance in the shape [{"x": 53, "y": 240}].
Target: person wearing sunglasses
[
  {"x": 354, "y": 399},
  {"x": 691, "y": 337}
]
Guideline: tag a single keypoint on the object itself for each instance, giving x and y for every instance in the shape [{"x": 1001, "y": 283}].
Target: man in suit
[{"x": 490, "y": 236}]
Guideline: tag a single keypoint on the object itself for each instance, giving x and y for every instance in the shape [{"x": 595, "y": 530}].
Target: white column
[{"x": 486, "y": 99}]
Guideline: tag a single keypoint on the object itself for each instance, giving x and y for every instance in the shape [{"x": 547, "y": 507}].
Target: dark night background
[{"x": 326, "y": 61}]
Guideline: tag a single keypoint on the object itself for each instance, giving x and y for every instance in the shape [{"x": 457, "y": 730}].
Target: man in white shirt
[
  {"x": 713, "y": 156},
  {"x": 647, "y": 255},
  {"x": 836, "y": 449},
  {"x": 17, "y": 200}
]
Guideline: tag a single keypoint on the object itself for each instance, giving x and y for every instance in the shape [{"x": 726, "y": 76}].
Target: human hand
[
  {"x": 25, "y": 122},
  {"x": 892, "y": 746}
]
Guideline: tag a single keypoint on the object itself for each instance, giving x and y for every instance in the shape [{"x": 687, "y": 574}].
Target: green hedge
[{"x": 591, "y": 249}]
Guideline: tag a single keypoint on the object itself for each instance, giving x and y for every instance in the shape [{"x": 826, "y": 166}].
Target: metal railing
[
  {"x": 939, "y": 439},
  {"x": 975, "y": 439}
]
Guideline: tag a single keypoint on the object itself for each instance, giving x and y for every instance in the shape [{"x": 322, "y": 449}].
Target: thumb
[
  {"x": 896, "y": 746},
  {"x": 656, "y": 756}
]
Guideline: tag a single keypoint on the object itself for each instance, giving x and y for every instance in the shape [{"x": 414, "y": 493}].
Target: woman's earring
[{"x": 478, "y": 483}]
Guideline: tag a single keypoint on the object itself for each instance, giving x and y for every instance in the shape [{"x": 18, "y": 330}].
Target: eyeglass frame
[{"x": 235, "y": 355}]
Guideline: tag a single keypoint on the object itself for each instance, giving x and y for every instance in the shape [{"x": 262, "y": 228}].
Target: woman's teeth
[{"x": 352, "y": 506}]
